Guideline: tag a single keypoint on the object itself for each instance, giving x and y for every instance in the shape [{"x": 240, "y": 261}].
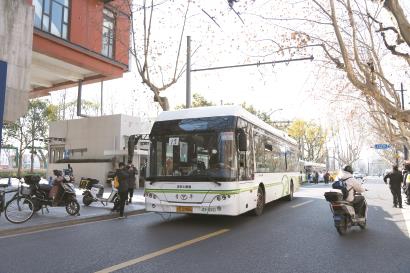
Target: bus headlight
[{"x": 151, "y": 195}]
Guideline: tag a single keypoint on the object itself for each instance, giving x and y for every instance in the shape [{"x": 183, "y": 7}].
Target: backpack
[
  {"x": 116, "y": 182},
  {"x": 341, "y": 185}
]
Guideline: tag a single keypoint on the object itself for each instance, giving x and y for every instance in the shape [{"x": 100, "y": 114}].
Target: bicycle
[{"x": 19, "y": 208}]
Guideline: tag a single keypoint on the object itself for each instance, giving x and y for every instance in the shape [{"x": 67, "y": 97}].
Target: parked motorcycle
[
  {"x": 93, "y": 192},
  {"x": 68, "y": 176},
  {"x": 345, "y": 214},
  {"x": 65, "y": 196}
]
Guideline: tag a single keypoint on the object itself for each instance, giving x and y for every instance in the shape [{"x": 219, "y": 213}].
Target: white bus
[{"x": 218, "y": 160}]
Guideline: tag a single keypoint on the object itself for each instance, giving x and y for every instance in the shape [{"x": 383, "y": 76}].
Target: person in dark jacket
[
  {"x": 132, "y": 171},
  {"x": 123, "y": 176},
  {"x": 406, "y": 181},
  {"x": 395, "y": 179}
]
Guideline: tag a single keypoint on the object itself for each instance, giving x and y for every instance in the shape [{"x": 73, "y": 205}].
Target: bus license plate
[{"x": 184, "y": 209}]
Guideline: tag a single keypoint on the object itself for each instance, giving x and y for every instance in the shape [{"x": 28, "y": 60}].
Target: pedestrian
[
  {"x": 406, "y": 182},
  {"x": 395, "y": 179},
  {"x": 123, "y": 176},
  {"x": 316, "y": 178},
  {"x": 132, "y": 171},
  {"x": 143, "y": 173},
  {"x": 326, "y": 177}
]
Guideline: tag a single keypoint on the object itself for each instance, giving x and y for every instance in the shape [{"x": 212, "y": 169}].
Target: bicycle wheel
[{"x": 19, "y": 210}]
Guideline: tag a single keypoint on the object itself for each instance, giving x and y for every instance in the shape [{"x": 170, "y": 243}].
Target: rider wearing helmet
[{"x": 353, "y": 186}]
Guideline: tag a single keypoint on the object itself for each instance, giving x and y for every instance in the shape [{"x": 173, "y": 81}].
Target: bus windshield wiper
[
  {"x": 151, "y": 179},
  {"x": 213, "y": 180}
]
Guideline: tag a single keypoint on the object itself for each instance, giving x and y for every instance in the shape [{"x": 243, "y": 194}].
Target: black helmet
[{"x": 348, "y": 169}]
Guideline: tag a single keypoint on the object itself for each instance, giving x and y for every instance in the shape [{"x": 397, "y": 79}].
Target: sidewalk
[{"x": 57, "y": 216}]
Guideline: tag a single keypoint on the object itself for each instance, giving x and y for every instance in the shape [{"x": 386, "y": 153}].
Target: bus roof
[{"x": 226, "y": 110}]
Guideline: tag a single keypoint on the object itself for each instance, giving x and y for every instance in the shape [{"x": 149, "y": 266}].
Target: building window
[
  {"x": 52, "y": 16},
  {"x": 56, "y": 153},
  {"x": 108, "y": 32}
]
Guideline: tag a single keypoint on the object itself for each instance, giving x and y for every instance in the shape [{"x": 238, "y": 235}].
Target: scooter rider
[
  {"x": 55, "y": 191},
  {"x": 353, "y": 186}
]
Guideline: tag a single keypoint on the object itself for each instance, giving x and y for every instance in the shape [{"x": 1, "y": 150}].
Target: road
[{"x": 296, "y": 236}]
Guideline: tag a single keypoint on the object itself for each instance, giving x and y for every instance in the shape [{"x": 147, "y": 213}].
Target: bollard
[{"x": 9, "y": 182}]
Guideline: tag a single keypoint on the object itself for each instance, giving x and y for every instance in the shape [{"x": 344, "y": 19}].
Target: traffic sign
[{"x": 382, "y": 146}]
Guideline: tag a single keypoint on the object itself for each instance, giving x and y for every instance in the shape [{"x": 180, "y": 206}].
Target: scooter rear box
[
  {"x": 87, "y": 183},
  {"x": 332, "y": 196}
]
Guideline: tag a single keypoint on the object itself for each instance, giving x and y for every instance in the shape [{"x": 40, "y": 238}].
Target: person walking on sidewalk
[
  {"x": 395, "y": 179},
  {"x": 132, "y": 171},
  {"x": 406, "y": 182},
  {"x": 123, "y": 176}
]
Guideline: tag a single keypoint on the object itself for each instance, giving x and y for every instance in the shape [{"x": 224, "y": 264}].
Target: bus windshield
[{"x": 192, "y": 153}]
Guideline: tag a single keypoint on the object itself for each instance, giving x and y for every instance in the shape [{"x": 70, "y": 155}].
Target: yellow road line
[
  {"x": 161, "y": 252},
  {"x": 303, "y": 203}
]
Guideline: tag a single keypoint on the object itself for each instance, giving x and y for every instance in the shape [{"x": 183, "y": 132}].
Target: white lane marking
[
  {"x": 303, "y": 203},
  {"x": 75, "y": 225},
  {"x": 161, "y": 252},
  {"x": 406, "y": 217}
]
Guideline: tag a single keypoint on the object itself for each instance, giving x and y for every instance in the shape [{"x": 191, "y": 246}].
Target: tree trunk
[
  {"x": 42, "y": 158},
  {"x": 20, "y": 165},
  {"x": 32, "y": 157}
]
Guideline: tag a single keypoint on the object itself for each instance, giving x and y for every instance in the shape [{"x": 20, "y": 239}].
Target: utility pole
[
  {"x": 405, "y": 150},
  {"x": 102, "y": 96},
  {"x": 189, "y": 70}
]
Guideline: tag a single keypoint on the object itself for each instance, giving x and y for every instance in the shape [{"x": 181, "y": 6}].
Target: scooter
[
  {"x": 93, "y": 192},
  {"x": 345, "y": 215},
  {"x": 65, "y": 197}
]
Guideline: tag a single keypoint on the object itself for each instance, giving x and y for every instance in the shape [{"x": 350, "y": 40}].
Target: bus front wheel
[
  {"x": 260, "y": 202},
  {"x": 291, "y": 190}
]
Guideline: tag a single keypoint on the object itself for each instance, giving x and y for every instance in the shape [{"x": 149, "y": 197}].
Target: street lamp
[{"x": 273, "y": 111}]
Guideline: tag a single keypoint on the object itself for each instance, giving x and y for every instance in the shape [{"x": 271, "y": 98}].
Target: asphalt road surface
[{"x": 296, "y": 236}]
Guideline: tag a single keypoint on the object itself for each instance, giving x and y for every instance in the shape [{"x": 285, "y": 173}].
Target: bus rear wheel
[{"x": 260, "y": 202}]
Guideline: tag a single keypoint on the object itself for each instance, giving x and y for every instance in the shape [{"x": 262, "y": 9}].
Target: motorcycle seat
[
  {"x": 45, "y": 187},
  {"x": 344, "y": 203},
  {"x": 98, "y": 186}
]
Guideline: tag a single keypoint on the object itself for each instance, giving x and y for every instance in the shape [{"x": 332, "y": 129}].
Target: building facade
[
  {"x": 49, "y": 45},
  {"x": 78, "y": 41},
  {"x": 94, "y": 146}
]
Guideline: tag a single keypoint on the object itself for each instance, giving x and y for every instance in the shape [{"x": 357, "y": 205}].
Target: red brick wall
[{"x": 86, "y": 26}]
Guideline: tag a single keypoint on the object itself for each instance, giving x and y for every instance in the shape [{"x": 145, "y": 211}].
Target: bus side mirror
[{"x": 242, "y": 141}]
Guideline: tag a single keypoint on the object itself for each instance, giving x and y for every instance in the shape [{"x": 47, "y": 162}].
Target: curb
[{"x": 23, "y": 230}]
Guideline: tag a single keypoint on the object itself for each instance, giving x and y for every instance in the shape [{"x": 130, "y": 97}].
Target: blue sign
[
  {"x": 3, "y": 78},
  {"x": 382, "y": 146}
]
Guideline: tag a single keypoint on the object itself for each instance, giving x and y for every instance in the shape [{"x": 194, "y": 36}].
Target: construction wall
[{"x": 16, "y": 36}]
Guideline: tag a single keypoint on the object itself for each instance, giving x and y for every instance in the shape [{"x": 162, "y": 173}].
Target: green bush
[{"x": 13, "y": 173}]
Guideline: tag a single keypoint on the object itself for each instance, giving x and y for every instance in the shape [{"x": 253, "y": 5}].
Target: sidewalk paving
[{"x": 57, "y": 216}]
